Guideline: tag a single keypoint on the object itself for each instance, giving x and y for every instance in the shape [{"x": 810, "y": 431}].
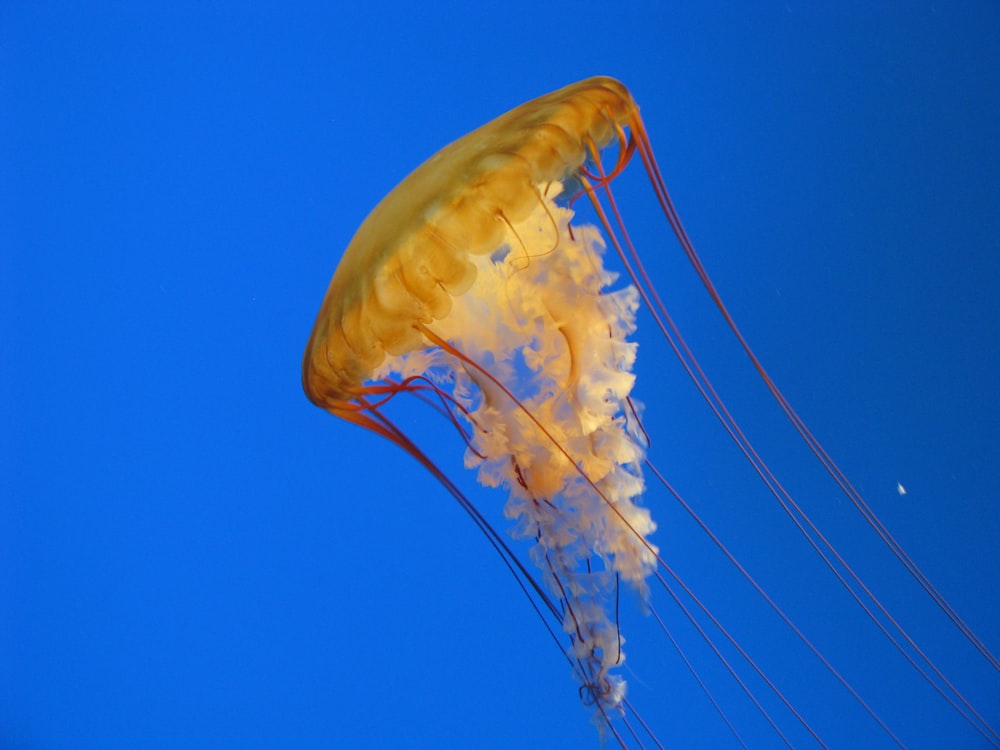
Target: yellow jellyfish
[
  {"x": 473, "y": 286},
  {"x": 469, "y": 279}
]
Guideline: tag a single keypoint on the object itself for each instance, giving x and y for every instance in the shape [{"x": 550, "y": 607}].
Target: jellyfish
[{"x": 478, "y": 286}]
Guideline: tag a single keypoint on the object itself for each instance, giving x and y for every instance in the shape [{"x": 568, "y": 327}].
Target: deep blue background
[{"x": 191, "y": 555}]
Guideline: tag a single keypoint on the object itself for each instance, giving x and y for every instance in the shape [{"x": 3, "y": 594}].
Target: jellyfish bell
[
  {"x": 475, "y": 286},
  {"x": 413, "y": 254}
]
